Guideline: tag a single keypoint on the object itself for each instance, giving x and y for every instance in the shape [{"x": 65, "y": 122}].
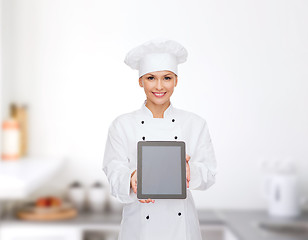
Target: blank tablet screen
[{"x": 162, "y": 170}]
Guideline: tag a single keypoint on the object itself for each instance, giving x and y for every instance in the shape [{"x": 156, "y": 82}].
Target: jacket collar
[{"x": 169, "y": 112}]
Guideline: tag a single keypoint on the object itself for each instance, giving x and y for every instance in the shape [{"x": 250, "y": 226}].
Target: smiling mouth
[{"x": 157, "y": 94}]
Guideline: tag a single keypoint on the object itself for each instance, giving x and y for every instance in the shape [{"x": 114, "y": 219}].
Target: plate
[{"x": 30, "y": 207}]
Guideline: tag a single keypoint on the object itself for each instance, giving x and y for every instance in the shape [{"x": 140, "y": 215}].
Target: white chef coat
[{"x": 164, "y": 219}]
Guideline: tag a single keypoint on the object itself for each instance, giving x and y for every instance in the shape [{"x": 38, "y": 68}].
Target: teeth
[{"x": 159, "y": 94}]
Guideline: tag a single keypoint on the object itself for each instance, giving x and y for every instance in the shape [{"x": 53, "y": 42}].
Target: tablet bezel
[{"x": 140, "y": 195}]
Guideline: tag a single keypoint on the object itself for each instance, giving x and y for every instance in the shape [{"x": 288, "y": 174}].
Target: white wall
[{"x": 246, "y": 74}]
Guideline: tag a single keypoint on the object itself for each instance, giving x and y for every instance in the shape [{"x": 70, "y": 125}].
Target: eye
[
  {"x": 150, "y": 78},
  {"x": 167, "y": 78}
]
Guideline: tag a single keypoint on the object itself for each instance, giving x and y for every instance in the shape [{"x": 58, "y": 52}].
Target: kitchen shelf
[{"x": 21, "y": 177}]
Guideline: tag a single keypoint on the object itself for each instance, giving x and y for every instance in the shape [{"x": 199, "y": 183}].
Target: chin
[{"x": 159, "y": 101}]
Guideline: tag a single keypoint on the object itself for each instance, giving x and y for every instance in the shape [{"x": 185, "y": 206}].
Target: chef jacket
[{"x": 164, "y": 219}]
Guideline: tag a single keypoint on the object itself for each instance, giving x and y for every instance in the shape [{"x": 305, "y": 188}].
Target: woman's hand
[
  {"x": 133, "y": 184},
  {"x": 187, "y": 170},
  {"x": 133, "y": 180}
]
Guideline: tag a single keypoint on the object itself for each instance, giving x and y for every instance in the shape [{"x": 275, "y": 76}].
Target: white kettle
[
  {"x": 282, "y": 191},
  {"x": 283, "y": 195}
]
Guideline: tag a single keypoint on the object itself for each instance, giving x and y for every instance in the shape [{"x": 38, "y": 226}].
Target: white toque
[{"x": 156, "y": 55}]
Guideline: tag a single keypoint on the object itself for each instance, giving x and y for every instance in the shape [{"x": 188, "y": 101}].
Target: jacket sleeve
[
  {"x": 116, "y": 167},
  {"x": 203, "y": 162}
]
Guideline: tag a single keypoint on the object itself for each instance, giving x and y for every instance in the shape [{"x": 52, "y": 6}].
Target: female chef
[{"x": 158, "y": 120}]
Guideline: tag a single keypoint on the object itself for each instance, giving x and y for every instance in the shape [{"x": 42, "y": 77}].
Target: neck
[{"x": 157, "y": 109}]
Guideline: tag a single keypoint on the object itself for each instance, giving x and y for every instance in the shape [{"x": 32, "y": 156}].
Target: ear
[
  {"x": 176, "y": 81},
  {"x": 140, "y": 82}
]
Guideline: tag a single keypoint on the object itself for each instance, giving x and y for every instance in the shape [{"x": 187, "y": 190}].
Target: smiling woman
[
  {"x": 158, "y": 87},
  {"x": 158, "y": 120}
]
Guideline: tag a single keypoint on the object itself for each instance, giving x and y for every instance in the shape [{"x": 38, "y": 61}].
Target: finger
[
  {"x": 188, "y": 172},
  {"x": 135, "y": 186},
  {"x": 187, "y": 157},
  {"x": 146, "y": 200}
]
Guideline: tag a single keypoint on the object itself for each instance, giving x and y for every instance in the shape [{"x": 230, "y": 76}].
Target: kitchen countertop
[{"x": 243, "y": 223}]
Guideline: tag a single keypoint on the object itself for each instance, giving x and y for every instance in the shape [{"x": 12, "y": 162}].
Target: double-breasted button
[
  {"x": 173, "y": 120},
  {"x": 176, "y": 137},
  {"x": 179, "y": 214},
  {"x": 147, "y": 217},
  {"x": 142, "y": 122},
  {"x": 143, "y": 138}
]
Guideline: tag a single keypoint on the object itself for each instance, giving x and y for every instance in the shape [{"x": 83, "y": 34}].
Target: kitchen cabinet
[
  {"x": 217, "y": 232},
  {"x": 40, "y": 232},
  {"x": 86, "y": 226},
  {"x": 54, "y": 232},
  {"x": 100, "y": 235}
]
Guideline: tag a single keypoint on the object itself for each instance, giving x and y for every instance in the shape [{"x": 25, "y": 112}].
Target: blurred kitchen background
[{"x": 63, "y": 81}]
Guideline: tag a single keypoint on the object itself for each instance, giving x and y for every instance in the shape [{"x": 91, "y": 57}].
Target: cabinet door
[
  {"x": 217, "y": 232},
  {"x": 37, "y": 232}
]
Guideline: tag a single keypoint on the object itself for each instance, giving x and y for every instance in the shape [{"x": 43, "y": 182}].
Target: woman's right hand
[{"x": 133, "y": 184}]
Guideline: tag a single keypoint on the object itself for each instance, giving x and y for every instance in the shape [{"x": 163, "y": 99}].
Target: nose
[{"x": 159, "y": 85}]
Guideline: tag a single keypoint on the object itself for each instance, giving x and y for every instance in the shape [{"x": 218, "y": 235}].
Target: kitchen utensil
[
  {"x": 97, "y": 197},
  {"x": 283, "y": 196},
  {"x": 10, "y": 139},
  {"x": 77, "y": 195}
]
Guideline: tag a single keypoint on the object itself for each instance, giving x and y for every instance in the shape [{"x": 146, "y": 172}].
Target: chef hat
[{"x": 156, "y": 55}]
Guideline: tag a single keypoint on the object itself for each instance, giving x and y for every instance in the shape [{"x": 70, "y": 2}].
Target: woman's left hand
[{"x": 187, "y": 170}]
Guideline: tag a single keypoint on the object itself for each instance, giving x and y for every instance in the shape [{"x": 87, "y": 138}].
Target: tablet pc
[{"x": 161, "y": 170}]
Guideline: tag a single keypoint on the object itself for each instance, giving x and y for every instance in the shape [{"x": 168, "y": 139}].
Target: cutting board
[{"x": 47, "y": 214}]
